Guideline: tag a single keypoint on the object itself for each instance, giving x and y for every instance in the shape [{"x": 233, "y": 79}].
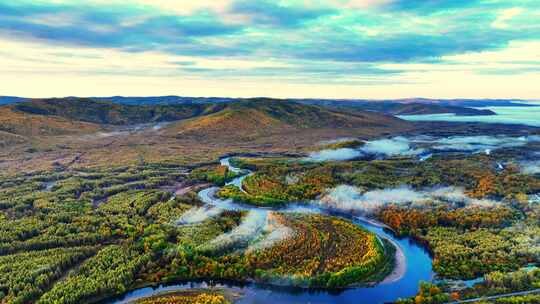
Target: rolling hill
[
  {"x": 400, "y": 107},
  {"x": 430, "y": 106},
  {"x": 74, "y": 133},
  {"x": 17, "y": 123},
  {"x": 250, "y": 117},
  {"x": 104, "y": 112},
  {"x": 264, "y": 117}
]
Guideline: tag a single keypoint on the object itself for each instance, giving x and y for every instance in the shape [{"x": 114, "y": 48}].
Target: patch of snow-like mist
[
  {"x": 482, "y": 143},
  {"x": 457, "y": 195},
  {"x": 275, "y": 232},
  {"x": 198, "y": 214},
  {"x": 350, "y": 198},
  {"x": 334, "y": 155},
  {"x": 396, "y": 146},
  {"x": 251, "y": 227}
]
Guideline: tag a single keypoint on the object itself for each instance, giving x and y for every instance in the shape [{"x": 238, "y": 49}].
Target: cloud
[
  {"x": 360, "y": 4},
  {"x": 390, "y": 147},
  {"x": 505, "y": 16},
  {"x": 456, "y": 195},
  {"x": 275, "y": 232},
  {"x": 251, "y": 227},
  {"x": 349, "y": 198},
  {"x": 411, "y": 146},
  {"x": 276, "y": 14},
  {"x": 337, "y": 34},
  {"x": 129, "y": 27},
  {"x": 431, "y": 6},
  {"x": 198, "y": 214},
  {"x": 337, "y": 155},
  {"x": 259, "y": 229},
  {"x": 423, "y": 147},
  {"x": 187, "y": 7},
  {"x": 387, "y": 147},
  {"x": 316, "y": 48},
  {"x": 482, "y": 143}
]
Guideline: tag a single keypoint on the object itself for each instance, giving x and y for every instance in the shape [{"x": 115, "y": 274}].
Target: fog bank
[
  {"x": 198, "y": 214},
  {"x": 350, "y": 198},
  {"x": 334, "y": 155},
  {"x": 395, "y": 146}
]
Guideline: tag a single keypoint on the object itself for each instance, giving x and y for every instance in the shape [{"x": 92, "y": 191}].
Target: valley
[
  {"x": 269, "y": 152},
  {"x": 245, "y": 201}
]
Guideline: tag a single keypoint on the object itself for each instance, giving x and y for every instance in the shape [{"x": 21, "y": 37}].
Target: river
[
  {"x": 521, "y": 115},
  {"x": 415, "y": 266}
]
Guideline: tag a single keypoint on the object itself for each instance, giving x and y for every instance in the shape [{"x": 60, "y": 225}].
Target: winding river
[{"x": 414, "y": 265}]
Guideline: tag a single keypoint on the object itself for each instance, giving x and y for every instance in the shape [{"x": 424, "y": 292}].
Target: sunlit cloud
[
  {"x": 505, "y": 16},
  {"x": 286, "y": 48}
]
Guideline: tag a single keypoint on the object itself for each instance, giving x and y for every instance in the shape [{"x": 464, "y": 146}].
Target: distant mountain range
[
  {"x": 409, "y": 106},
  {"x": 182, "y": 99},
  {"x": 401, "y": 107}
]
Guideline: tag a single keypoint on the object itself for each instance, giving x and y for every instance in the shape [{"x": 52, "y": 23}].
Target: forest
[
  {"x": 87, "y": 235},
  {"x": 83, "y": 236},
  {"x": 467, "y": 241}
]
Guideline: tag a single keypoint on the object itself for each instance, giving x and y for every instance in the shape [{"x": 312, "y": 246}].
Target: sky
[{"x": 277, "y": 48}]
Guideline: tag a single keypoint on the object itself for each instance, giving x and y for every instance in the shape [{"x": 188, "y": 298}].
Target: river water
[
  {"x": 529, "y": 115},
  {"x": 418, "y": 267}
]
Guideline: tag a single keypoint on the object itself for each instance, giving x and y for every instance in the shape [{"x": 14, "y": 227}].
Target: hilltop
[
  {"x": 32, "y": 124},
  {"x": 257, "y": 116},
  {"x": 390, "y": 106},
  {"x": 264, "y": 117},
  {"x": 106, "y": 112}
]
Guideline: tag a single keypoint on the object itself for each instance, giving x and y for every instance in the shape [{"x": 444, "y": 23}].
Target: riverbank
[{"x": 400, "y": 265}]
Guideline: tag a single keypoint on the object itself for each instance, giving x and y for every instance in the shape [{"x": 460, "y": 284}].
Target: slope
[
  {"x": 400, "y": 107},
  {"x": 19, "y": 124},
  {"x": 104, "y": 112},
  {"x": 265, "y": 117}
]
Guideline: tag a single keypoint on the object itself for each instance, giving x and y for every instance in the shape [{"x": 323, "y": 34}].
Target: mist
[
  {"x": 395, "y": 146},
  {"x": 259, "y": 229},
  {"x": 350, "y": 198},
  {"x": 333, "y": 155},
  {"x": 457, "y": 195},
  {"x": 275, "y": 232},
  {"x": 198, "y": 214},
  {"x": 422, "y": 146},
  {"x": 337, "y": 140},
  {"x": 482, "y": 143},
  {"x": 159, "y": 126},
  {"x": 251, "y": 227}
]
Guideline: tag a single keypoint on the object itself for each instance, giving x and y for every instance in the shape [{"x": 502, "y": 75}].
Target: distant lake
[{"x": 522, "y": 115}]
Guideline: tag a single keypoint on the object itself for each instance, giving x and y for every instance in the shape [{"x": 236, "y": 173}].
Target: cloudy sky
[{"x": 279, "y": 48}]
